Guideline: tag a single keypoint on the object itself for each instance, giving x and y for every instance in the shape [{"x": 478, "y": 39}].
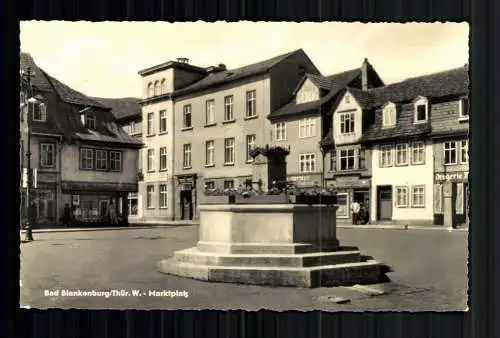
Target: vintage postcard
[{"x": 246, "y": 165}]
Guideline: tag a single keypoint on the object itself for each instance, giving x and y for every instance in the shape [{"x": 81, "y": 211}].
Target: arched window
[
  {"x": 150, "y": 90},
  {"x": 157, "y": 88},
  {"x": 163, "y": 90}
]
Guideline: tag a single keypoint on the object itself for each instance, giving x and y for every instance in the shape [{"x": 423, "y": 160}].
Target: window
[
  {"x": 280, "y": 131},
  {"x": 151, "y": 159},
  {"x": 250, "y": 145},
  {"x": 115, "y": 160},
  {"x": 464, "y": 152},
  {"x": 228, "y": 108},
  {"x": 86, "y": 158},
  {"x": 150, "y": 126},
  {"x": 132, "y": 204},
  {"x": 229, "y": 151},
  {"x": 157, "y": 88},
  {"x": 386, "y": 156},
  {"x": 101, "y": 159},
  {"x": 150, "y": 191},
  {"x": 307, "y": 163},
  {"x": 186, "y": 120},
  {"x": 347, "y": 159},
  {"x": 401, "y": 197},
  {"x": 150, "y": 90},
  {"x": 307, "y": 127},
  {"x": 463, "y": 109},
  {"x": 163, "y": 158},
  {"x": 251, "y": 104},
  {"x": 450, "y": 153},
  {"x": 210, "y": 112},
  {"x": 163, "y": 88},
  {"x": 402, "y": 154},
  {"x": 228, "y": 184},
  {"x": 306, "y": 96},
  {"x": 333, "y": 154},
  {"x": 88, "y": 119},
  {"x": 132, "y": 128},
  {"x": 186, "y": 160},
  {"x": 163, "y": 196},
  {"x": 421, "y": 109},
  {"x": 418, "y": 196},
  {"x": 39, "y": 112},
  {"x": 209, "y": 185},
  {"x": 209, "y": 153},
  {"x": 347, "y": 123},
  {"x": 389, "y": 115},
  {"x": 47, "y": 155},
  {"x": 418, "y": 153},
  {"x": 163, "y": 121}
]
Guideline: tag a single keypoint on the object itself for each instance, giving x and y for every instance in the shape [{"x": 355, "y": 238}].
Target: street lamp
[{"x": 27, "y": 75}]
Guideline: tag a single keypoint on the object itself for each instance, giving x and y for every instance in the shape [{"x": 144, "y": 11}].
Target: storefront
[
  {"x": 350, "y": 188},
  {"x": 453, "y": 185},
  {"x": 306, "y": 181}
]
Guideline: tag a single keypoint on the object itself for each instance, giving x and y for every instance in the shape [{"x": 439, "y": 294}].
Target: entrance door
[
  {"x": 363, "y": 197},
  {"x": 186, "y": 198},
  {"x": 103, "y": 208},
  {"x": 384, "y": 203}
]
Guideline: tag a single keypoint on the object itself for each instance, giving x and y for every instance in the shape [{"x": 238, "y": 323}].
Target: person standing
[
  {"x": 66, "y": 215},
  {"x": 355, "y": 207},
  {"x": 113, "y": 219}
]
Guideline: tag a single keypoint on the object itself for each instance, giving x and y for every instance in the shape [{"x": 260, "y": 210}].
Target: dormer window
[
  {"x": 421, "y": 110},
  {"x": 38, "y": 111},
  {"x": 389, "y": 114},
  {"x": 88, "y": 119},
  {"x": 463, "y": 109}
]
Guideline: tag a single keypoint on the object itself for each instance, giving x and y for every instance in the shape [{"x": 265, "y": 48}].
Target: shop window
[
  {"x": 133, "y": 204},
  {"x": 343, "y": 206},
  {"x": 45, "y": 204}
]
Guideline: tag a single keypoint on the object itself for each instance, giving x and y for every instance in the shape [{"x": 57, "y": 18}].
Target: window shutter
[
  {"x": 438, "y": 198},
  {"x": 459, "y": 202}
]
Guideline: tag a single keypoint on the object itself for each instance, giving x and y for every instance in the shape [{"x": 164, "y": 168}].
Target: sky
[{"x": 102, "y": 59}]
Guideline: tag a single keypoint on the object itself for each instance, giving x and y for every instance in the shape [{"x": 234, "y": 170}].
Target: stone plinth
[{"x": 274, "y": 244}]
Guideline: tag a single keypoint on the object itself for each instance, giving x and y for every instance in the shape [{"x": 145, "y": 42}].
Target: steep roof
[
  {"x": 122, "y": 108},
  {"x": 222, "y": 77}
]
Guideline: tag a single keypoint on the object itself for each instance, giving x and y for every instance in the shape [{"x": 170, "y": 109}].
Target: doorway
[
  {"x": 103, "y": 208},
  {"x": 186, "y": 198},
  {"x": 384, "y": 203},
  {"x": 362, "y": 196}
]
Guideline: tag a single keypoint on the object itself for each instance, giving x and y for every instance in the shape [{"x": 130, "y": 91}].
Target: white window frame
[
  {"x": 389, "y": 115},
  {"x": 150, "y": 192},
  {"x": 347, "y": 156},
  {"x": 186, "y": 156},
  {"x": 132, "y": 197},
  {"x": 399, "y": 148},
  {"x": 162, "y": 117},
  {"x": 421, "y": 101},
  {"x": 413, "y": 195},
  {"x": 41, "y": 110},
  {"x": 84, "y": 156},
  {"x": 228, "y": 108},
  {"x": 415, "y": 150},
  {"x": 50, "y": 148},
  {"x": 209, "y": 112},
  {"x": 150, "y": 164},
  {"x": 209, "y": 153},
  {"x": 250, "y": 144},
  {"x": 251, "y": 103},
  {"x": 463, "y": 101},
  {"x": 280, "y": 131},
  {"x": 385, "y": 150},
  {"x": 115, "y": 160},
  {"x": 397, "y": 190},
  {"x": 162, "y": 196},
  {"x": 99, "y": 159},
  {"x": 307, "y": 127},
  {"x": 464, "y": 146},
  {"x": 163, "y": 158},
  {"x": 453, "y": 147},
  {"x": 187, "y": 111},
  {"x": 307, "y": 163},
  {"x": 229, "y": 153},
  {"x": 347, "y": 123},
  {"x": 150, "y": 126},
  {"x": 131, "y": 128}
]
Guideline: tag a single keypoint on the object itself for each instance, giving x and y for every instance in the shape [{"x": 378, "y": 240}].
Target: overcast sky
[{"x": 102, "y": 59}]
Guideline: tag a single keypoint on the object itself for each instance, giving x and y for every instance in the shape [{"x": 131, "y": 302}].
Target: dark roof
[
  {"x": 39, "y": 80},
  {"x": 363, "y": 98},
  {"x": 122, "y": 108},
  {"x": 226, "y": 76},
  {"x": 334, "y": 83}
]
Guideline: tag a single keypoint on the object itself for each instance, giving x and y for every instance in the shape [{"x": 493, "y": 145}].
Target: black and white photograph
[{"x": 244, "y": 165}]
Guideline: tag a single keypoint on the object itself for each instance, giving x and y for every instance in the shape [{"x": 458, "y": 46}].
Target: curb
[
  {"x": 110, "y": 228},
  {"x": 401, "y": 227}
]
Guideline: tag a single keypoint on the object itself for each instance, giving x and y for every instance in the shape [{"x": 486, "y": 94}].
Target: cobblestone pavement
[{"x": 429, "y": 273}]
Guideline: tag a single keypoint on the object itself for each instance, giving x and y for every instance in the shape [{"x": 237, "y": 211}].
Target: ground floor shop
[
  {"x": 350, "y": 188},
  {"x": 451, "y": 198}
]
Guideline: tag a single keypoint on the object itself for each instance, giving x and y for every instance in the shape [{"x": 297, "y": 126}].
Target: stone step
[
  {"x": 266, "y": 248},
  {"x": 195, "y": 256},
  {"x": 368, "y": 272}
]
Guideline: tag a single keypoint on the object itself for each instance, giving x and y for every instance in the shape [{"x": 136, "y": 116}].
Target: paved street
[{"x": 429, "y": 272}]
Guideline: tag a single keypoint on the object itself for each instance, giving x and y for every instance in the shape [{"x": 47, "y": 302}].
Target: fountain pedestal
[{"x": 273, "y": 244}]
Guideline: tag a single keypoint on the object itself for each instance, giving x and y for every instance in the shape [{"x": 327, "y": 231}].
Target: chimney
[
  {"x": 215, "y": 69},
  {"x": 183, "y": 60},
  {"x": 364, "y": 74},
  {"x": 222, "y": 66}
]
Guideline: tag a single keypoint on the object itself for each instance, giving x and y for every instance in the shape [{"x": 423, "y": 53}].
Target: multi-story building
[
  {"x": 81, "y": 156},
  {"x": 128, "y": 114},
  {"x": 219, "y": 118}
]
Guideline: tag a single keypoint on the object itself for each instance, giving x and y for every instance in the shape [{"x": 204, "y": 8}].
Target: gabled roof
[
  {"x": 38, "y": 80},
  {"x": 335, "y": 84},
  {"x": 122, "y": 108},
  {"x": 222, "y": 77}
]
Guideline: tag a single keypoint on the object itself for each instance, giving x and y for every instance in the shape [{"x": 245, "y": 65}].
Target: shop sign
[
  {"x": 456, "y": 176},
  {"x": 298, "y": 178}
]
